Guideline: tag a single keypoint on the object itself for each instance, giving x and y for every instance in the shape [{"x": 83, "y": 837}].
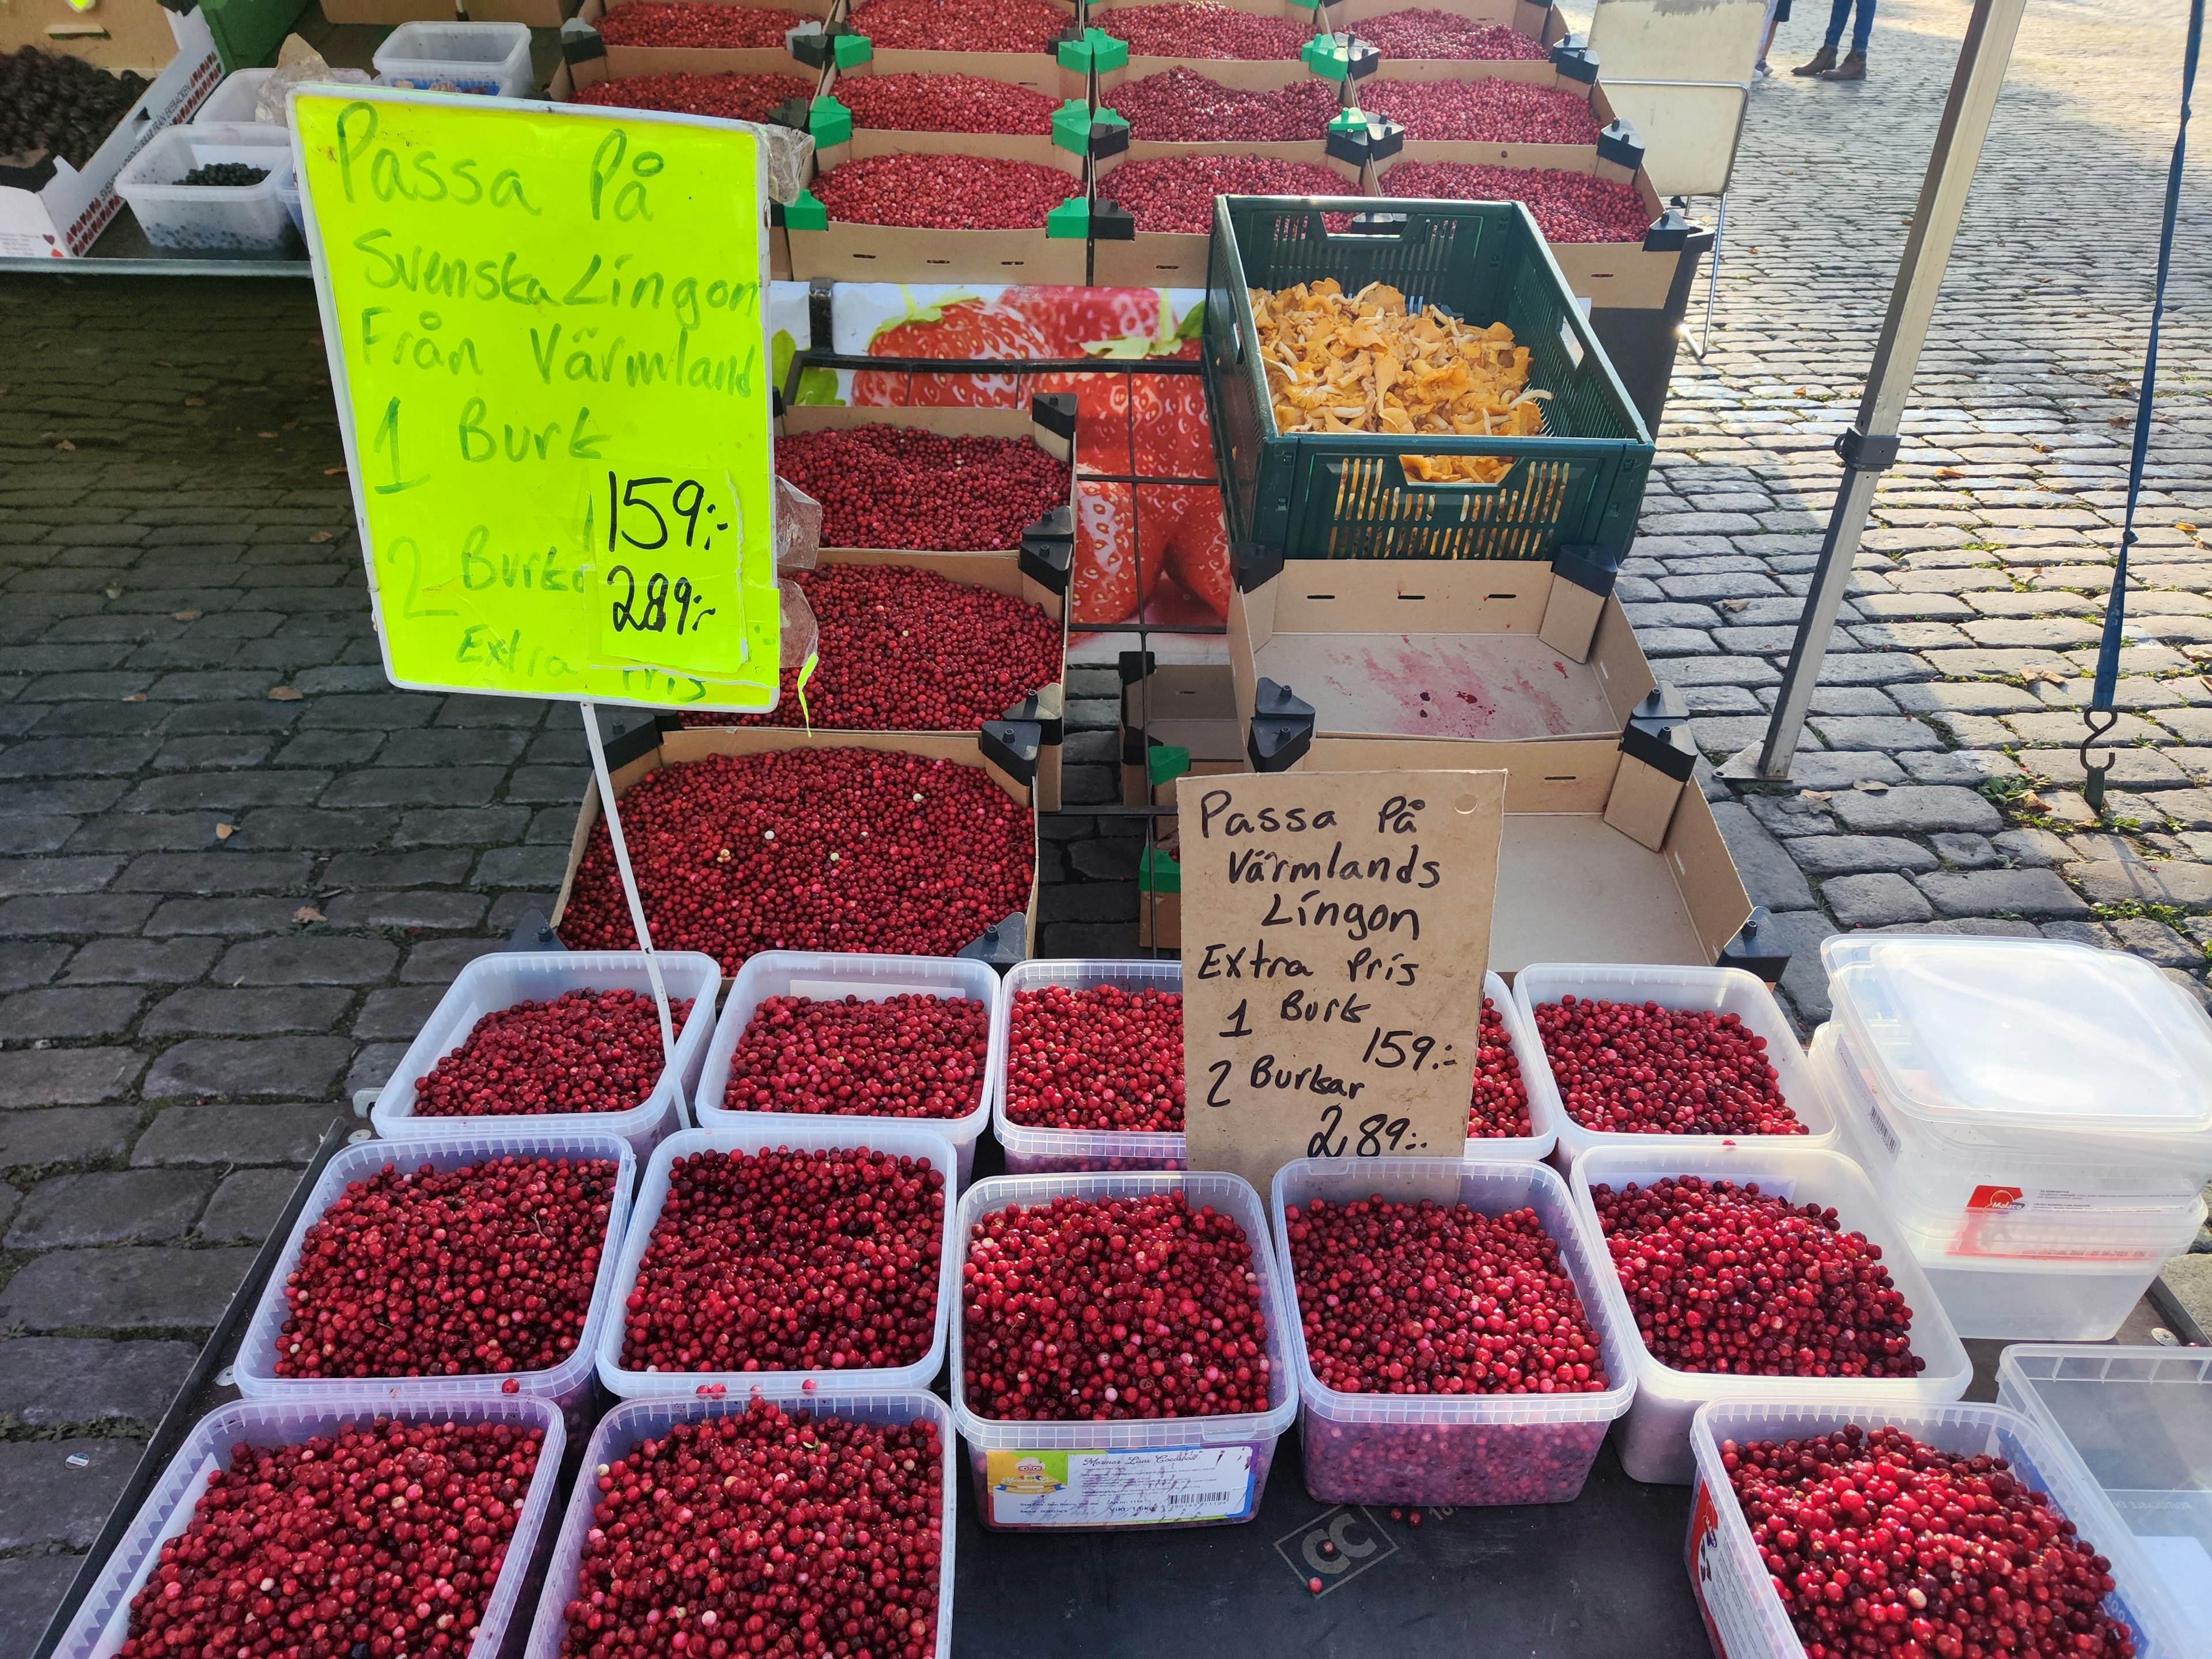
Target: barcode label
[{"x": 1120, "y": 1488}]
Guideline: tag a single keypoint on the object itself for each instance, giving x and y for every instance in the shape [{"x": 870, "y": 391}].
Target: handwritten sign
[
  {"x": 547, "y": 334},
  {"x": 1336, "y": 928}
]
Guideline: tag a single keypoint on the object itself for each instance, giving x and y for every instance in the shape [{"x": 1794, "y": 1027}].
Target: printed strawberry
[
  {"x": 1173, "y": 438},
  {"x": 959, "y": 327},
  {"x": 1109, "y": 554},
  {"x": 1198, "y": 555},
  {"x": 1072, "y": 319}
]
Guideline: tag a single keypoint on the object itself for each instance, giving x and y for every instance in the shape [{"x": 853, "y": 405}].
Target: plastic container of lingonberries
[
  {"x": 1743, "y": 1612},
  {"x": 1015, "y": 1465},
  {"x": 823, "y": 976},
  {"x": 1453, "y": 1448},
  {"x": 102, "y": 1620},
  {"x": 506, "y": 977},
  {"x": 1714, "y": 990},
  {"x": 564, "y": 1383},
  {"x": 635, "y": 1420},
  {"x": 1655, "y": 1435},
  {"x": 900, "y": 1138}
]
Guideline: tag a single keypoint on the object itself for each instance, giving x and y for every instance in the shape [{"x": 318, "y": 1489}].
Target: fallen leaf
[
  {"x": 1948, "y": 472},
  {"x": 309, "y": 913},
  {"x": 225, "y": 831},
  {"x": 66, "y": 444},
  {"x": 285, "y": 694},
  {"x": 2186, "y": 529},
  {"x": 136, "y": 697},
  {"x": 194, "y": 403},
  {"x": 268, "y": 435},
  {"x": 332, "y": 471},
  {"x": 2050, "y": 674},
  {"x": 186, "y": 616},
  {"x": 1871, "y": 787},
  {"x": 115, "y": 590},
  {"x": 2033, "y": 802},
  {"x": 320, "y": 536},
  {"x": 1817, "y": 795}
]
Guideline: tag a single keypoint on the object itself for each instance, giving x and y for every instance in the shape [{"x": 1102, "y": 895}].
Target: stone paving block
[
  {"x": 46, "y": 1382},
  {"x": 247, "y": 1205},
  {"x": 2187, "y": 809},
  {"x": 307, "y": 959},
  {"x": 441, "y": 912},
  {"x": 68, "y": 1012},
  {"x": 53, "y": 1502},
  {"x": 2115, "y": 881},
  {"x": 24, "y": 965},
  {"x": 1888, "y": 734},
  {"x": 1821, "y": 771},
  {"x": 397, "y": 1015},
  {"x": 65, "y": 1134},
  {"x": 70, "y": 875},
  {"x": 1788, "y": 816},
  {"x": 545, "y": 783},
  {"x": 1966, "y": 852},
  {"x": 288, "y": 1068},
  {"x": 2058, "y": 730},
  {"x": 1904, "y": 636},
  {"x": 435, "y": 962},
  {"x": 2032, "y": 893},
  {"x": 260, "y": 1011},
  {"x": 238, "y": 1132},
  {"x": 229, "y": 793},
  {"x": 1968, "y": 766},
  {"x": 223, "y": 871},
  {"x": 373, "y": 1066},
  {"x": 1769, "y": 876},
  {"x": 1917, "y": 809},
  {"x": 1822, "y": 856},
  {"x": 405, "y": 786},
  {"x": 62, "y": 795},
  {"x": 123, "y": 1288},
  {"x": 2156, "y": 943},
  {"x": 2131, "y": 769},
  {"x": 1964, "y": 697},
  {"x": 2035, "y": 848},
  {"x": 373, "y": 711},
  {"x": 41, "y": 832},
  {"x": 147, "y": 832},
  {"x": 66, "y": 757},
  {"x": 1725, "y": 737},
  {"x": 1873, "y": 901},
  {"x": 526, "y": 866},
  {"x": 468, "y": 826},
  {"x": 308, "y": 828},
  {"x": 1875, "y": 668},
  {"x": 110, "y": 1206},
  {"x": 2094, "y": 934},
  {"x": 233, "y": 915},
  {"x": 66, "y": 1077},
  {"x": 477, "y": 746}
]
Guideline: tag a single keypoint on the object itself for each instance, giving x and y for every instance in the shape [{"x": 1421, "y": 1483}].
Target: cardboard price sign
[
  {"x": 548, "y": 338},
  {"x": 1336, "y": 928}
]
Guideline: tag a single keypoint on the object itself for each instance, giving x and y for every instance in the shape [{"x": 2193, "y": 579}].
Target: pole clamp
[{"x": 1863, "y": 452}]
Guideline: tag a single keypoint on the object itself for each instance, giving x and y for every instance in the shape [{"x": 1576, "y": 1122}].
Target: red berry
[
  {"x": 905, "y": 1056},
  {"x": 586, "y": 1051},
  {"x": 1636, "y": 1069}
]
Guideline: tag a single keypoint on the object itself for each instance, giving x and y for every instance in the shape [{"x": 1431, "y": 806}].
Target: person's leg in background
[
  {"x": 1853, "y": 67},
  {"x": 1839, "y": 13},
  {"x": 1766, "y": 40}
]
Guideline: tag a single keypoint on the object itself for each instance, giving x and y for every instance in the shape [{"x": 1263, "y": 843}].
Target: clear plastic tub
[
  {"x": 2140, "y": 1422},
  {"x": 102, "y": 1622},
  {"x": 239, "y": 219},
  {"x": 489, "y": 58},
  {"x": 564, "y": 1383},
  {"x": 506, "y": 977},
  {"x": 2028, "y": 1038},
  {"x": 634, "y": 1420},
  {"x": 1454, "y": 1448},
  {"x": 1654, "y": 1437},
  {"x": 1743, "y": 1613},
  {"x": 1223, "y": 1469},
  {"x": 871, "y": 978},
  {"x": 1716, "y": 990},
  {"x": 233, "y": 100},
  {"x": 899, "y": 1137}
]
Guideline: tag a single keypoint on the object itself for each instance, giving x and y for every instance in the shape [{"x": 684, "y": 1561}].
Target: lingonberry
[
  {"x": 1878, "y": 1543},
  {"x": 1640, "y": 1069},
  {"x": 1119, "y": 1308},
  {"x": 961, "y": 25},
  {"x": 1569, "y": 207},
  {"x": 901, "y": 487},
  {"x": 732, "y": 97},
  {"x": 1499, "y": 1111},
  {"x": 1096, "y": 1058},
  {"x": 1425, "y": 32},
  {"x": 1200, "y": 28},
  {"x": 1175, "y": 193},
  {"x": 1181, "y": 106},
  {"x": 586, "y": 1051},
  {"x": 1726, "y": 1279},
  {"x": 690, "y": 26},
  {"x": 945, "y": 103},
  {"x": 943, "y": 192},
  {"x": 789, "y": 1261},
  {"x": 910, "y": 1055},
  {"x": 1485, "y": 111},
  {"x": 483, "y": 1270}
]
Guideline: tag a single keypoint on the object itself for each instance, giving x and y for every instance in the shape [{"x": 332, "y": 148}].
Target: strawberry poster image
[{"x": 1155, "y": 551}]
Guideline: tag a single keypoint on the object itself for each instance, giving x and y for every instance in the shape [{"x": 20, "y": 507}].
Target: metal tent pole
[{"x": 1869, "y": 448}]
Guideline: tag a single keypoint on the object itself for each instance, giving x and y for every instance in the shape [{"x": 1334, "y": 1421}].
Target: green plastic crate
[
  {"x": 248, "y": 32},
  {"x": 1576, "y": 490}
]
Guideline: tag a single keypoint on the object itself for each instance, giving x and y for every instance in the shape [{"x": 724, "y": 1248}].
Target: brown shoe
[
  {"x": 1853, "y": 67},
  {"x": 1823, "y": 61}
]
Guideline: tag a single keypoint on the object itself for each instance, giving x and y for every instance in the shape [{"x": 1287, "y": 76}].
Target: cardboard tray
[
  {"x": 115, "y": 34},
  {"x": 1246, "y": 75},
  {"x": 1010, "y": 69},
  {"x": 623, "y": 62},
  {"x": 1174, "y": 259},
  {"x": 1040, "y": 71}
]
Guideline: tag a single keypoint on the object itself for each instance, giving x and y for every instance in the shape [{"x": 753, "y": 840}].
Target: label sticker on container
[
  {"x": 1723, "y": 1595},
  {"x": 1120, "y": 1488}
]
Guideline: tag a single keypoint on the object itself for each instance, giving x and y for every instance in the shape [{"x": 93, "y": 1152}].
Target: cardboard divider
[
  {"x": 1176, "y": 259},
  {"x": 623, "y": 62},
  {"x": 1245, "y": 75},
  {"x": 1040, "y": 71},
  {"x": 1178, "y": 706},
  {"x": 988, "y": 66},
  {"x": 849, "y": 252}
]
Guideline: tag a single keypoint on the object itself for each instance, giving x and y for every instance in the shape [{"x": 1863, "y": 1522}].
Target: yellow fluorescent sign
[{"x": 547, "y": 332}]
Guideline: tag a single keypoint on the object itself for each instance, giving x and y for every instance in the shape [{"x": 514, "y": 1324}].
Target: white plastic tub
[
  {"x": 634, "y": 1420},
  {"x": 825, "y": 976},
  {"x": 897, "y": 1137},
  {"x": 1743, "y": 1612},
  {"x": 103, "y": 1620},
  {"x": 506, "y": 977},
  {"x": 1223, "y": 1478},
  {"x": 1454, "y": 1448},
  {"x": 240, "y": 219},
  {"x": 489, "y": 58},
  {"x": 1714, "y": 990},
  {"x": 233, "y": 100},
  {"x": 564, "y": 1384},
  {"x": 1048, "y": 1152},
  {"x": 1655, "y": 1439}
]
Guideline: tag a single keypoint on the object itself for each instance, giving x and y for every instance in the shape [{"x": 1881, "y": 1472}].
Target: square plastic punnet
[
  {"x": 2139, "y": 1420},
  {"x": 873, "y": 978},
  {"x": 635, "y": 1420},
  {"x": 506, "y": 977},
  {"x": 1454, "y": 1448},
  {"x": 489, "y": 58},
  {"x": 1655, "y": 1440},
  {"x": 1743, "y": 1612},
  {"x": 899, "y": 1137},
  {"x": 100, "y": 1622},
  {"x": 1712, "y": 990},
  {"x": 243, "y": 219},
  {"x": 1029, "y": 1451},
  {"x": 563, "y": 1384}
]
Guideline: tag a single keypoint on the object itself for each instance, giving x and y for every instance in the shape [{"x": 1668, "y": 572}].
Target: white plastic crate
[
  {"x": 824, "y": 976},
  {"x": 240, "y": 219},
  {"x": 1655, "y": 1439},
  {"x": 102, "y": 1622},
  {"x": 898, "y": 1137},
  {"x": 1046, "y": 1151},
  {"x": 255, "y": 1364},
  {"x": 634, "y": 1420},
  {"x": 1743, "y": 1612},
  {"x": 1714, "y": 990},
  {"x": 506, "y": 977},
  {"x": 1039, "y": 1455},
  {"x": 1454, "y": 1449},
  {"x": 492, "y": 59},
  {"x": 233, "y": 100}
]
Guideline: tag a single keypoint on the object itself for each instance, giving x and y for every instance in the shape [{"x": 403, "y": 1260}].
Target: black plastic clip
[
  {"x": 1013, "y": 747},
  {"x": 1257, "y": 564},
  {"x": 1594, "y": 570},
  {"x": 1665, "y": 745},
  {"x": 1282, "y": 728},
  {"x": 534, "y": 932},
  {"x": 1670, "y": 232},
  {"x": 790, "y": 112},
  {"x": 1002, "y": 943},
  {"x": 1759, "y": 949},
  {"x": 1057, "y": 526},
  {"x": 1107, "y": 138},
  {"x": 1049, "y": 562},
  {"x": 1376, "y": 141},
  {"x": 1056, "y": 411},
  {"x": 580, "y": 42},
  {"x": 632, "y": 742},
  {"x": 1621, "y": 144},
  {"x": 1111, "y": 222},
  {"x": 1047, "y": 710},
  {"x": 1134, "y": 666},
  {"x": 1573, "y": 58},
  {"x": 1864, "y": 452}
]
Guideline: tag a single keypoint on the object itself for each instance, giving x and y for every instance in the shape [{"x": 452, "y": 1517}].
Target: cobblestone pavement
[{"x": 224, "y": 906}]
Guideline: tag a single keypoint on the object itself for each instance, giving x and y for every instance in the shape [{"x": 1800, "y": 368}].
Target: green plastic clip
[
  {"x": 1070, "y": 220},
  {"x": 1097, "y": 49},
  {"x": 1071, "y": 127},
  {"x": 828, "y": 121},
  {"x": 1109, "y": 133},
  {"x": 1352, "y": 119},
  {"x": 807, "y": 213},
  {"x": 1166, "y": 761},
  {"x": 851, "y": 49},
  {"x": 1158, "y": 873}
]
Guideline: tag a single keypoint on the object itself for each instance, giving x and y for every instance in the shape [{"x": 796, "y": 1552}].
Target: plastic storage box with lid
[
  {"x": 245, "y": 220},
  {"x": 896, "y": 1138},
  {"x": 564, "y": 1383},
  {"x": 1070, "y": 1473},
  {"x": 827, "y": 976},
  {"x": 2044, "y": 1043},
  {"x": 1454, "y": 1447},
  {"x": 2140, "y": 1421},
  {"x": 2039, "y": 1252},
  {"x": 1711, "y": 990},
  {"x": 633, "y": 1421},
  {"x": 233, "y": 100},
  {"x": 504, "y": 978},
  {"x": 492, "y": 59},
  {"x": 102, "y": 1619},
  {"x": 1655, "y": 1435},
  {"x": 1743, "y": 1612}
]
